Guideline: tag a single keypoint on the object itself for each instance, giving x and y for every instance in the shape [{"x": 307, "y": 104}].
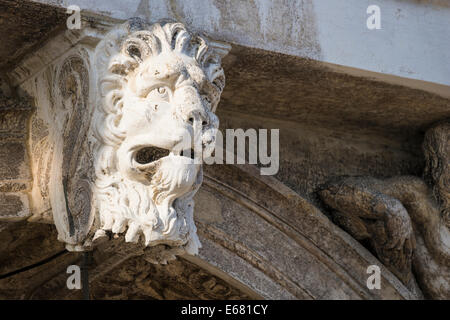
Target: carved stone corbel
[{"x": 117, "y": 113}]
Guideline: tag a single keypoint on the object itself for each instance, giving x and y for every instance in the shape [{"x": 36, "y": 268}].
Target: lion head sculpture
[{"x": 159, "y": 86}]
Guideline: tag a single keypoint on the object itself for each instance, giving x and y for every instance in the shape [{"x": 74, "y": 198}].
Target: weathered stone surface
[
  {"x": 13, "y": 206},
  {"x": 408, "y": 46},
  {"x": 112, "y": 276},
  {"x": 15, "y": 170},
  {"x": 263, "y": 237},
  {"x": 13, "y": 161},
  {"x": 283, "y": 87},
  {"x": 14, "y": 158},
  {"x": 158, "y": 87},
  {"x": 91, "y": 169},
  {"x": 331, "y": 124},
  {"x": 15, "y": 249},
  {"x": 179, "y": 279},
  {"x": 385, "y": 211},
  {"x": 24, "y": 25},
  {"x": 259, "y": 211}
]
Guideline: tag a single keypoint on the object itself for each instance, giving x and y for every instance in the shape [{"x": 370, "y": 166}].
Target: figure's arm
[
  {"x": 365, "y": 212},
  {"x": 424, "y": 211}
]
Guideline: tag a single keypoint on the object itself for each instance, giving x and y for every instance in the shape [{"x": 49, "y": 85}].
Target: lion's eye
[
  {"x": 159, "y": 93},
  {"x": 161, "y": 90}
]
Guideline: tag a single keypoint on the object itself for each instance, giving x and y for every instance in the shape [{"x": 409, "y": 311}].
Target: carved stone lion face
[
  {"x": 166, "y": 106},
  {"x": 159, "y": 91}
]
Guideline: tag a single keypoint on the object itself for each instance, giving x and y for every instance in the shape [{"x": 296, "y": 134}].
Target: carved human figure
[
  {"x": 159, "y": 86},
  {"x": 406, "y": 219}
]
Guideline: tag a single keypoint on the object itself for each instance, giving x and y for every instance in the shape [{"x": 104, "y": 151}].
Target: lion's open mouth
[
  {"x": 168, "y": 172},
  {"x": 151, "y": 154}
]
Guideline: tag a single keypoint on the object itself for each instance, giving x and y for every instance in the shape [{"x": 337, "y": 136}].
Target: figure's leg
[{"x": 385, "y": 219}]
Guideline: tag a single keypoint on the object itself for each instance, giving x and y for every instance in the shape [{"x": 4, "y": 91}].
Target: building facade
[{"x": 120, "y": 150}]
